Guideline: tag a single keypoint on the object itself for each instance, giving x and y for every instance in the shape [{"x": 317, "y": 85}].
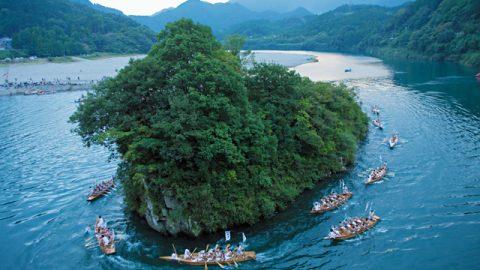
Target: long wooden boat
[
  {"x": 393, "y": 141},
  {"x": 377, "y": 123},
  {"x": 107, "y": 249},
  {"x": 382, "y": 171},
  {"x": 342, "y": 198},
  {"x": 246, "y": 256},
  {"x": 370, "y": 224},
  {"x": 93, "y": 196}
]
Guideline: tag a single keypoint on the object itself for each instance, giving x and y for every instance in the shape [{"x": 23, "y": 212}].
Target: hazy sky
[{"x": 143, "y": 7}]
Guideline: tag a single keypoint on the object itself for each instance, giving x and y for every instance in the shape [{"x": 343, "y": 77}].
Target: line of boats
[
  {"x": 353, "y": 227},
  {"x": 105, "y": 236},
  {"x": 394, "y": 139}
]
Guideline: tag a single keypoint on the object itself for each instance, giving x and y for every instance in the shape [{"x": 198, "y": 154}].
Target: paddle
[
  {"x": 221, "y": 266},
  {"x": 206, "y": 267},
  {"x": 174, "y": 250}
]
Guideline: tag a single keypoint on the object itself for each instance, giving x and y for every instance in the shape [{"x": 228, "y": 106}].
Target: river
[{"x": 429, "y": 202}]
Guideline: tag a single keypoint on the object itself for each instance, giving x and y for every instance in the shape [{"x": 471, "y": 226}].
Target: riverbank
[
  {"x": 330, "y": 67},
  {"x": 82, "y": 74},
  {"x": 60, "y": 59},
  {"x": 46, "y": 89}
]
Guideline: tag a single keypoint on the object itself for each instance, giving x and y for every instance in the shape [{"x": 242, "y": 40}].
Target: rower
[
  {"x": 187, "y": 254},
  {"x": 101, "y": 223},
  {"x": 240, "y": 250},
  {"x": 105, "y": 240}
]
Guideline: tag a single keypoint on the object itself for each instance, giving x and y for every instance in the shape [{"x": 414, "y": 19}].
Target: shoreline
[
  {"x": 45, "y": 90},
  {"x": 330, "y": 67},
  {"x": 318, "y": 66},
  {"x": 64, "y": 59},
  {"x": 48, "y": 77}
]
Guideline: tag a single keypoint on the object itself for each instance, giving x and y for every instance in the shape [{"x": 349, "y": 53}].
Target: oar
[
  {"x": 236, "y": 265},
  {"x": 174, "y": 250},
  {"x": 206, "y": 267},
  {"x": 89, "y": 245},
  {"x": 221, "y": 266}
]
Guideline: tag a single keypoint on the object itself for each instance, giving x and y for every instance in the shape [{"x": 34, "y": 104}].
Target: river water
[{"x": 429, "y": 202}]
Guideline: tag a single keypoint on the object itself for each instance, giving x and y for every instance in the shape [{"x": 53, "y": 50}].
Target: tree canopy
[
  {"x": 230, "y": 145},
  {"x": 60, "y": 27}
]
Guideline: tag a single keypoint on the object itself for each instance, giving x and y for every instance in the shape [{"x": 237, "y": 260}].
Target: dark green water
[{"x": 429, "y": 203}]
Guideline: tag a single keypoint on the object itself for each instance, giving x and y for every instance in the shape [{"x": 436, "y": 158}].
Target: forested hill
[
  {"x": 428, "y": 29},
  {"x": 437, "y": 29},
  {"x": 60, "y": 27},
  {"x": 344, "y": 29},
  {"x": 216, "y": 145}
]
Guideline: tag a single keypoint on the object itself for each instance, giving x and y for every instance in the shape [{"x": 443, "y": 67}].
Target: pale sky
[{"x": 143, "y": 7}]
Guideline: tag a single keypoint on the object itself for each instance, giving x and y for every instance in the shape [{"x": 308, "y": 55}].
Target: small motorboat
[
  {"x": 393, "y": 141},
  {"x": 375, "y": 110},
  {"x": 197, "y": 259},
  {"x": 348, "y": 70},
  {"x": 101, "y": 189},
  {"x": 338, "y": 200},
  {"x": 377, "y": 174},
  {"x": 477, "y": 76},
  {"x": 377, "y": 123},
  {"x": 104, "y": 232},
  {"x": 367, "y": 223}
]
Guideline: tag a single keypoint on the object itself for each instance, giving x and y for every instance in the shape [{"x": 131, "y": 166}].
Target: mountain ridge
[
  {"x": 314, "y": 6},
  {"x": 218, "y": 16}
]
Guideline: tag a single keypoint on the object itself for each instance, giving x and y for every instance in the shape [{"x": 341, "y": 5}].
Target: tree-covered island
[{"x": 207, "y": 144}]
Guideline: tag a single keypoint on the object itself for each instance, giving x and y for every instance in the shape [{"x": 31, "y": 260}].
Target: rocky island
[{"x": 206, "y": 143}]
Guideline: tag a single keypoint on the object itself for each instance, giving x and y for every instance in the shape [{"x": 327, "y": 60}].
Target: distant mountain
[
  {"x": 60, "y": 27},
  {"x": 315, "y": 6},
  {"x": 98, "y": 7},
  {"x": 425, "y": 29},
  {"x": 219, "y": 16}
]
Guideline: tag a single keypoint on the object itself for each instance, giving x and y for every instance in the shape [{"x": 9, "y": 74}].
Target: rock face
[{"x": 167, "y": 215}]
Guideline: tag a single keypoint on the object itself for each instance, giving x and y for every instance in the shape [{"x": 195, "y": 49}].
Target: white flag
[
  {"x": 244, "y": 237},
  {"x": 227, "y": 235}
]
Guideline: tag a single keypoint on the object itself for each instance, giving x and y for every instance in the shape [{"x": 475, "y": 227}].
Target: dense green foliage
[
  {"x": 59, "y": 27},
  {"x": 344, "y": 29},
  {"x": 437, "y": 29},
  {"x": 233, "y": 145},
  {"x": 430, "y": 29}
]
